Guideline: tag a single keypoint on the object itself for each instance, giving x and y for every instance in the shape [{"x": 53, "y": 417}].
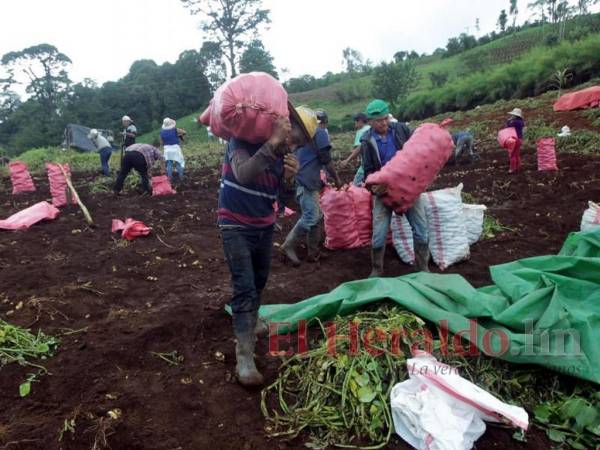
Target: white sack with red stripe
[
  {"x": 437, "y": 409},
  {"x": 591, "y": 217},
  {"x": 402, "y": 238},
  {"x": 412, "y": 170},
  {"x": 448, "y": 242}
]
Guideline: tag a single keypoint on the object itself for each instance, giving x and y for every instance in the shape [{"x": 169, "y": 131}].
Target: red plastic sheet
[
  {"x": 246, "y": 107},
  {"x": 162, "y": 186},
  {"x": 27, "y": 217},
  {"x": 362, "y": 201},
  {"x": 505, "y": 135},
  {"x": 412, "y": 170},
  {"x": 546, "y": 154},
  {"x": 131, "y": 228},
  {"x": 586, "y": 98},
  {"x": 340, "y": 219},
  {"x": 58, "y": 184},
  {"x": 20, "y": 178}
]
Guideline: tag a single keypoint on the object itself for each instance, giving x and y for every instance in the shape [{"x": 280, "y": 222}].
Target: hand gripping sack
[
  {"x": 546, "y": 154},
  {"x": 162, "y": 186},
  {"x": 505, "y": 135},
  {"x": 412, "y": 170},
  {"x": 591, "y": 217},
  {"x": 20, "y": 178},
  {"x": 246, "y": 107},
  {"x": 340, "y": 220},
  {"x": 448, "y": 241},
  {"x": 362, "y": 201},
  {"x": 58, "y": 184}
]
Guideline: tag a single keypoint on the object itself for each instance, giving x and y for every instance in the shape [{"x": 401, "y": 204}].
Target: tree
[
  {"x": 514, "y": 12},
  {"x": 45, "y": 69},
  {"x": 540, "y": 7},
  {"x": 256, "y": 59},
  {"x": 211, "y": 56},
  {"x": 439, "y": 78},
  {"x": 394, "y": 81},
  {"x": 352, "y": 60},
  {"x": 453, "y": 47},
  {"x": 230, "y": 23},
  {"x": 502, "y": 19},
  {"x": 466, "y": 41},
  {"x": 477, "y": 27}
]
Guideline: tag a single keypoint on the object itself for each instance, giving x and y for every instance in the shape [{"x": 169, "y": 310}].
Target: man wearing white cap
[
  {"x": 514, "y": 152},
  {"x": 169, "y": 139},
  {"x": 104, "y": 148},
  {"x": 129, "y": 131}
]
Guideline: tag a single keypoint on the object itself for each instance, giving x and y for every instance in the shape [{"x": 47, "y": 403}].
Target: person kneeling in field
[
  {"x": 378, "y": 147},
  {"x": 252, "y": 177},
  {"x": 312, "y": 157},
  {"x": 142, "y": 158},
  {"x": 463, "y": 141}
]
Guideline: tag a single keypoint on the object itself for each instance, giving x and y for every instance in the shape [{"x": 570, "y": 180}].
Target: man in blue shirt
[
  {"x": 463, "y": 141},
  {"x": 312, "y": 157},
  {"x": 378, "y": 147},
  {"x": 361, "y": 126}
]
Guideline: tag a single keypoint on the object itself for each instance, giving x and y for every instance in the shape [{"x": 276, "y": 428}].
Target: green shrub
[{"x": 353, "y": 90}]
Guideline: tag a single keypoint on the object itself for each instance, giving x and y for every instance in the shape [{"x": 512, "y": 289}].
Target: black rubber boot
[
  {"x": 291, "y": 241},
  {"x": 313, "y": 241},
  {"x": 377, "y": 255},
  {"x": 422, "y": 257},
  {"x": 245, "y": 333}
]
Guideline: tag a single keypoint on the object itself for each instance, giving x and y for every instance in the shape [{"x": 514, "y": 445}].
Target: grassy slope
[{"x": 495, "y": 53}]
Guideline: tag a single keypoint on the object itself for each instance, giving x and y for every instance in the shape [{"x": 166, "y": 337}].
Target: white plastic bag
[
  {"x": 473, "y": 216},
  {"x": 591, "y": 217},
  {"x": 402, "y": 238},
  {"x": 448, "y": 242},
  {"x": 437, "y": 409}
]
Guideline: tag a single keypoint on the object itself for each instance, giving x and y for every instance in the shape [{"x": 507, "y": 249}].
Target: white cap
[
  {"x": 93, "y": 133},
  {"x": 565, "y": 131},
  {"x": 168, "y": 124},
  {"x": 126, "y": 119}
]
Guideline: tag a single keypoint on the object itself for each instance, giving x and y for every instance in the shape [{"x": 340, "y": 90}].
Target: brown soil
[{"x": 69, "y": 276}]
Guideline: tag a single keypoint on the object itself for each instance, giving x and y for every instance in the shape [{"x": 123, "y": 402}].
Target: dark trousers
[
  {"x": 105, "y": 154},
  {"x": 248, "y": 254},
  {"x": 133, "y": 160}
]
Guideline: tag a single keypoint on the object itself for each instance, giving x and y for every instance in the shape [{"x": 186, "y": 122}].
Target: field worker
[
  {"x": 360, "y": 125},
  {"x": 169, "y": 140},
  {"x": 140, "y": 157},
  {"x": 323, "y": 120},
  {"x": 129, "y": 131},
  {"x": 312, "y": 157},
  {"x": 252, "y": 177},
  {"x": 463, "y": 141},
  {"x": 378, "y": 147},
  {"x": 514, "y": 152},
  {"x": 104, "y": 149}
]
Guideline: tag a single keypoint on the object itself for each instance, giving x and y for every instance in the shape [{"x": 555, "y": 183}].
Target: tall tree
[
  {"x": 257, "y": 59},
  {"x": 211, "y": 56},
  {"x": 230, "y": 23},
  {"x": 514, "y": 12},
  {"x": 502, "y": 19},
  {"x": 44, "y": 67},
  {"x": 394, "y": 81},
  {"x": 540, "y": 7},
  {"x": 352, "y": 60}
]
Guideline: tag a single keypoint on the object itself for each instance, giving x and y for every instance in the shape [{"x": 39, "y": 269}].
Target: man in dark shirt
[
  {"x": 251, "y": 179},
  {"x": 378, "y": 146},
  {"x": 312, "y": 157}
]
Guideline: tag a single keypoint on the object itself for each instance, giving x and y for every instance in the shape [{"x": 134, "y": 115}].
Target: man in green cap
[{"x": 378, "y": 147}]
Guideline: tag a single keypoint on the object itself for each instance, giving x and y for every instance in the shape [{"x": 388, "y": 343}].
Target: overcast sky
[{"x": 103, "y": 37}]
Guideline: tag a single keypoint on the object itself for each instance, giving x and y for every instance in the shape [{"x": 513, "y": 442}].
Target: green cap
[{"x": 377, "y": 108}]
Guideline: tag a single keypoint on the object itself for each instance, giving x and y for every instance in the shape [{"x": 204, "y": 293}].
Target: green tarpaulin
[{"x": 543, "y": 310}]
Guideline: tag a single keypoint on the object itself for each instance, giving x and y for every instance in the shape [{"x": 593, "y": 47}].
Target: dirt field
[{"x": 70, "y": 277}]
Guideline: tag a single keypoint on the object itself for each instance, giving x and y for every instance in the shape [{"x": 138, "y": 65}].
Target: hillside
[{"x": 535, "y": 48}]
